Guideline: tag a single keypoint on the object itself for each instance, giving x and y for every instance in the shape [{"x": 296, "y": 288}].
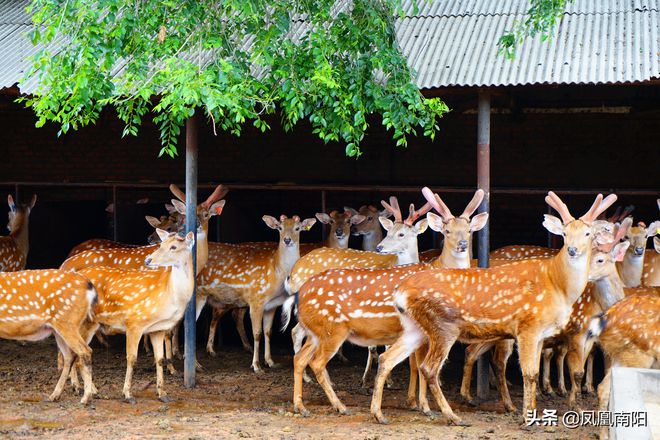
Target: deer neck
[
  {"x": 285, "y": 258},
  {"x": 333, "y": 242},
  {"x": 630, "y": 269},
  {"x": 202, "y": 242},
  {"x": 371, "y": 239},
  {"x": 569, "y": 275},
  {"x": 20, "y": 234},
  {"x": 610, "y": 289},
  {"x": 448, "y": 259},
  {"x": 409, "y": 256},
  {"x": 182, "y": 278}
]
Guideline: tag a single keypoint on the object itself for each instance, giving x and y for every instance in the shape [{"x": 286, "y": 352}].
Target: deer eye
[
  {"x": 172, "y": 248},
  {"x": 401, "y": 234},
  {"x": 370, "y": 218},
  {"x": 600, "y": 260},
  {"x": 626, "y": 238},
  {"x": 588, "y": 234},
  {"x": 297, "y": 228}
]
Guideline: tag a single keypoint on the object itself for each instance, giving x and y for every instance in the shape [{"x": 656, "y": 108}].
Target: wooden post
[
  {"x": 191, "y": 225},
  {"x": 483, "y": 182}
]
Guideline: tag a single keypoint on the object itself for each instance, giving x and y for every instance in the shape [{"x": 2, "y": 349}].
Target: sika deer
[
  {"x": 632, "y": 266},
  {"x": 137, "y": 302},
  {"x": 37, "y": 303},
  {"x": 370, "y": 228},
  {"x": 15, "y": 246},
  {"x": 526, "y": 300},
  {"x": 356, "y": 304},
  {"x": 253, "y": 276}
]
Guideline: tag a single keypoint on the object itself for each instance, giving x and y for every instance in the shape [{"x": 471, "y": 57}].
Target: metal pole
[
  {"x": 114, "y": 214},
  {"x": 191, "y": 225},
  {"x": 483, "y": 182}
]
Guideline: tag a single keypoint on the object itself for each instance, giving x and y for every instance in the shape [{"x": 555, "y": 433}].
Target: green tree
[{"x": 234, "y": 60}]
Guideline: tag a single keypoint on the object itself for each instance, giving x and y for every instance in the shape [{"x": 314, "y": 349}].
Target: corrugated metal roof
[{"x": 454, "y": 43}]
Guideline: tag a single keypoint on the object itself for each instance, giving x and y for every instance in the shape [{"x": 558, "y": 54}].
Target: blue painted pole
[{"x": 191, "y": 225}]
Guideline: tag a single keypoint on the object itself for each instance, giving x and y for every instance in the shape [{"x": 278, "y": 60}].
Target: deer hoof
[
  {"x": 457, "y": 421},
  {"x": 304, "y": 412},
  {"x": 212, "y": 353},
  {"x": 510, "y": 408},
  {"x": 561, "y": 392},
  {"x": 344, "y": 411},
  {"x": 273, "y": 365},
  {"x": 431, "y": 414},
  {"x": 380, "y": 418},
  {"x": 588, "y": 390},
  {"x": 257, "y": 369},
  {"x": 165, "y": 398},
  {"x": 130, "y": 400}
]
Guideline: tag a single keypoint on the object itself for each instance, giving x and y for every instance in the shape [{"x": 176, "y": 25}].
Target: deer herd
[{"x": 601, "y": 288}]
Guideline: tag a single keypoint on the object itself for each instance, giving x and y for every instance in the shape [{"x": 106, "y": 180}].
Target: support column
[
  {"x": 483, "y": 182},
  {"x": 191, "y": 225}
]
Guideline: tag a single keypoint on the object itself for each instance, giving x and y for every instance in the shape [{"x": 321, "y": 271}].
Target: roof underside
[{"x": 454, "y": 43}]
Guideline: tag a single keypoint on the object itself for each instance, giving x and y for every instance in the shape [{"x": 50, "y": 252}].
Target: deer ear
[
  {"x": 384, "y": 214},
  {"x": 421, "y": 226},
  {"x": 619, "y": 250},
  {"x": 217, "y": 207},
  {"x": 386, "y": 222},
  {"x": 162, "y": 234},
  {"x": 653, "y": 229},
  {"x": 10, "y": 202},
  {"x": 553, "y": 224},
  {"x": 435, "y": 222},
  {"x": 356, "y": 219},
  {"x": 324, "y": 218},
  {"x": 478, "y": 222},
  {"x": 170, "y": 208},
  {"x": 33, "y": 201},
  {"x": 271, "y": 222},
  {"x": 307, "y": 224},
  {"x": 179, "y": 206},
  {"x": 190, "y": 239},
  {"x": 153, "y": 221},
  {"x": 351, "y": 210},
  {"x": 656, "y": 244}
]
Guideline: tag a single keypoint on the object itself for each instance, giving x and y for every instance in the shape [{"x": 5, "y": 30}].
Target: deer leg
[
  {"x": 75, "y": 343},
  {"x": 419, "y": 355},
  {"x": 269, "y": 316},
  {"x": 217, "y": 313},
  {"x": 588, "y": 387},
  {"x": 501, "y": 354},
  {"x": 132, "y": 341},
  {"x": 145, "y": 344},
  {"x": 561, "y": 382},
  {"x": 300, "y": 362},
  {"x": 372, "y": 352},
  {"x": 472, "y": 353},
  {"x": 547, "y": 386},
  {"x": 326, "y": 349},
  {"x": 67, "y": 360},
  {"x": 168, "y": 352},
  {"x": 340, "y": 355},
  {"x": 102, "y": 340},
  {"x": 529, "y": 349},
  {"x": 256, "y": 316},
  {"x": 411, "y": 338},
  {"x": 239, "y": 318},
  {"x": 157, "y": 344},
  {"x": 298, "y": 336}
]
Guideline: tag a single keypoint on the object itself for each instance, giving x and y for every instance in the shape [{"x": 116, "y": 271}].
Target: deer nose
[
  {"x": 287, "y": 241},
  {"x": 147, "y": 261},
  {"x": 572, "y": 251},
  {"x": 339, "y": 233},
  {"x": 462, "y": 244},
  {"x": 379, "y": 248},
  {"x": 639, "y": 251}
]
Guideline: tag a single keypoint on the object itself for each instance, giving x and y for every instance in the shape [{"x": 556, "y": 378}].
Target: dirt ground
[{"x": 232, "y": 402}]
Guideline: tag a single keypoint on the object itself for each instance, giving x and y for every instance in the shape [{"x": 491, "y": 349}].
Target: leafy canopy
[
  {"x": 234, "y": 60},
  {"x": 541, "y": 18}
]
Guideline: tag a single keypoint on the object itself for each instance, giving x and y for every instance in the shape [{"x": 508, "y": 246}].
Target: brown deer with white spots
[
  {"x": 253, "y": 276},
  {"x": 340, "y": 228},
  {"x": 631, "y": 268},
  {"x": 15, "y": 246},
  {"x": 398, "y": 247},
  {"x": 137, "y": 302},
  {"x": 651, "y": 275},
  {"x": 356, "y": 304},
  {"x": 37, "y": 303},
  {"x": 629, "y": 334},
  {"x": 527, "y": 300}
]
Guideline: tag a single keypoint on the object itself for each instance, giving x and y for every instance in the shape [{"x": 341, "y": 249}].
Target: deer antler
[
  {"x": 620, "y": 232},
  {"x": 474, "y": 204},
  {"x": 555, "y": 202},
  {"x": 414, "y": 215},
  {"x": 218, "y": 193},
  {"x": 599, "y": 205},
  {"x": 619, "y": 215},
  {"x": 393, "y": 207},
  {"x": 178, "y": 193},
  {"x": 437, "y": 203}
]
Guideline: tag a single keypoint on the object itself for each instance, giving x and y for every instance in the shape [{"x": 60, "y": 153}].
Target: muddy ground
[{"x": 232, "y": 402}]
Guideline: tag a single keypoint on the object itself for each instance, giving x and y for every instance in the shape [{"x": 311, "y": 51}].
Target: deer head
[
  {"x": 213, "y": 205},
  {"x": 402, "y": 234},
  {"x": 340, "y": 225},
  {"x": 174, "y": 250},
  {"x": 370, "y": 224},
  {"x": 578, "y": 234},
  {"x": 638, "y": 235},
  {"x": 171, "y": 223},
  {"x": 605, "y": 256},
  {"x": 289, "y": 228},
  {"x": 18, "y": 214},
  {"x": 456, "y": 230}
]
